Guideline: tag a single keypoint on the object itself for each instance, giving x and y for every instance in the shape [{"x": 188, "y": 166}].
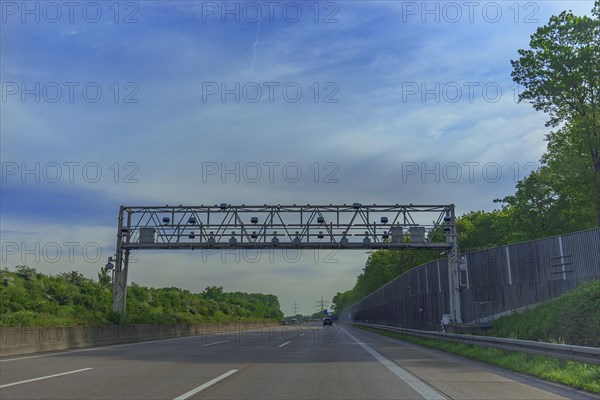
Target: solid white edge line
[
  {"x": 283, "y": 344},
  {"x": 213, "y": 343},
  {"x": 44, "y": 377},
  {"x": 419, "y": 386},
  {"x": 206, "y": 385}
]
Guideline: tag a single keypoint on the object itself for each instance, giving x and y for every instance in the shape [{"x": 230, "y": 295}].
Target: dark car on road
[{"x": 327, "y": 321}]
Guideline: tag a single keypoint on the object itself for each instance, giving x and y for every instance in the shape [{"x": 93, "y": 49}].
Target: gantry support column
[
  {"x": 453, "y": 266},
  {"x": 121, "y": 266}
]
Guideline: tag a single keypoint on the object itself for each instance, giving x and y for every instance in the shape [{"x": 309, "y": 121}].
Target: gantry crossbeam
[
  {"x": 282, "y": 226},
  {"x": 226, "y": 226}
]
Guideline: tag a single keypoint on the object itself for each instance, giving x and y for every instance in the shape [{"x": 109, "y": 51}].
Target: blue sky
[{"x": 127, "y": 106}]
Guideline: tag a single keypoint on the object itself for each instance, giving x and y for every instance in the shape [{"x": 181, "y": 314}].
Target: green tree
[
  {"x": 573, "y": 176},
  {"x": 74, "y": 277},
  {"x": 561, "y": 76},
  {"x": 213, "y": 292},
  {"x": 343, "y": 300},
  {"x": 480, "y": 230},
  {"x": 104, "y": 278},
  {"x": 534, "y": 210},
  {"x": 26, "y": 272}
]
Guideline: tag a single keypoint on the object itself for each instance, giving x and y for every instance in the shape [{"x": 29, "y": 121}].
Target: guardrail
[{"x": 584, "y": 354}]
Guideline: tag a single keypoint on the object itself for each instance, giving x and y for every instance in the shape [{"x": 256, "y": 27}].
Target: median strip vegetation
[{"x": 578, "y": 375}]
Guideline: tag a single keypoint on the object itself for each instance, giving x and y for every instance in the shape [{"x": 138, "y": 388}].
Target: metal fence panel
[{"x": 493, "y": 281}]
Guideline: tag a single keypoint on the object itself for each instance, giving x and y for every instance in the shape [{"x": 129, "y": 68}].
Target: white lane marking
[
  {"x": 283, "y": 344},
  {"x": 206, "y": 385},
  {"x": 302, "y": 334},
  {"x": 44, "y": 377},
  {"x": 213, "y": 343},
  {"x": 419, "y": 386}
]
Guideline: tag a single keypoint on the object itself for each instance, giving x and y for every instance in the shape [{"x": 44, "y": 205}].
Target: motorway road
[{"x": 291, "y": 362}]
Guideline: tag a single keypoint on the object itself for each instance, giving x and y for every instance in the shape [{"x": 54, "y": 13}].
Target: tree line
[
  {"x": 560, "y": 75},
  {"x": 30, "y": 298}
]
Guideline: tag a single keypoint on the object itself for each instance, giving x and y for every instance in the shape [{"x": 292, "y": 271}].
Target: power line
[{"x": 322, "y": 303}]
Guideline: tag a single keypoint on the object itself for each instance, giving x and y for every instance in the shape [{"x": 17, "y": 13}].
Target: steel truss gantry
[{"x": 227, "y": 226}]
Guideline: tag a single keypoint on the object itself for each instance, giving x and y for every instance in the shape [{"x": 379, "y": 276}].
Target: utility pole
[
  {"x": 322, "y": 304},
  {"x": 295, "y": 308}
]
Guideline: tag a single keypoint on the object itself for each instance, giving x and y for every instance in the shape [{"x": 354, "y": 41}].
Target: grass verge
[
  {"x": 573, "y": 318},
  {"x": 575, "y": 374}
]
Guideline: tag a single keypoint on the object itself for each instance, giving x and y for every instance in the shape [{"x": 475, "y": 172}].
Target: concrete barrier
[{"x": 26, "y": 340}]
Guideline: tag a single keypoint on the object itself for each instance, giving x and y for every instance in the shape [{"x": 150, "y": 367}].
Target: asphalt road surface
[{"x": 290, "y": 362}]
